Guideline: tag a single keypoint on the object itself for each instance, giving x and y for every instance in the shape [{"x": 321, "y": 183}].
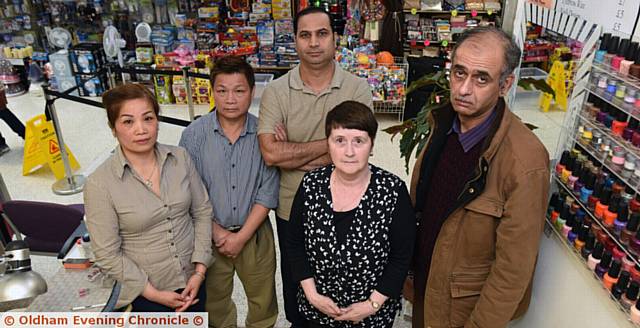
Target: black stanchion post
[
  {"x": 187, "y": 81},
  {"x": 70, "y": 184}
]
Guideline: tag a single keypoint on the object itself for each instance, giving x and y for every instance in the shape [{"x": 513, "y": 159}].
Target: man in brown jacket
[{"x": 480, "y": 188}]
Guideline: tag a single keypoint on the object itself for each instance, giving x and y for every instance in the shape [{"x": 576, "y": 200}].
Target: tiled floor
[{"x": 87, "y": 135}]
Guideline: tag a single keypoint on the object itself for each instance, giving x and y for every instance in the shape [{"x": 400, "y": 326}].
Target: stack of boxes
[
  {"x": 87, "y": 59},
  {"x": 62, "y": 71}
]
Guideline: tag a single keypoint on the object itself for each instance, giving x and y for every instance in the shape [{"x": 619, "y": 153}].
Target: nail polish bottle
[
  {"x": 618, "y": 254},
  {"x": 609, "y": 243},
  {"x": 586, "y": 136},
  {"x": 575, "y": 175},
  {"x": 617, "y": 187},
  {"x": 634, "y": 70},
  {"x": 587, "y": 190},
  {"x": 605, "y": 149},
  {"x": 604, "y": 264},
  {"x": 630, "y": 97},
  {"x": 635, "y": 273},
  {"x": 611, "y": 116},
  {"x": 634, "y": 313},
  {"x": 620, "y": 123},
  {"x": 627, "y": 134},
  {"x": 636, "y": 173},
  {"x": 612, "y": 49},
  {"x": 562, "y": 164},
  {"x": 622, "y": 51},
  {"x": 588, "y": 245},
  {"x": 634, "y": 204},
  {"x": 630, "y": 296},
  {"x": 629, "y": 166},
  {"x": 635, "y": 139},
  {"x": 595, "y": 197},
  {"x": 623, "y": 280},
  {"x": 617, "y": 158},
  {"x": 612, "y": 86},
  {"x": 620, "y": 222},
  {"x": 629, "y": 58},
  {"x": 603, "y": 204},
  {"x": 627, "y": 263},
  {"x": 611, "y": 277},
  {"x": 611, "y": 213},
  {"x": 631, "y": 228},
  {"x": 627, "y": 194},
  {"x": 602, "y": 113},
  {"x": 634, "y": 244},
  {"x": 567, "y": 226},
  {"x": 579, "y": 236},
  {"x": 566, "y": 172},
  {"x": 564, "y": 216},
  {"x": 603, "y": 81},
  {"x": 602, "y": 50},
  {"x": 596, "y": 257},
  {"x": 572, "y": 235}
]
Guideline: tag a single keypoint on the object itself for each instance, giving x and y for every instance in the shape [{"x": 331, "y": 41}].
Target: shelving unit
[{"x": 437, "y": 26}]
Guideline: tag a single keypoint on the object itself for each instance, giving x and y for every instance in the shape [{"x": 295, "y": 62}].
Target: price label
[
  {"x": 413, "y": 43},
  {"x": 414, "y": 11},
  {"x": 474, "y": 13},
  {"x": 445, "y": 43},
  {"x": 427, "y": 43},
  {"x": 490, "y": 12},
  {"x": 454, "y": 13}
]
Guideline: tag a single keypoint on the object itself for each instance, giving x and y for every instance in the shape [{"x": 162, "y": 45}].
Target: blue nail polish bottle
[
  {"x": 599, "y": 58},
  {"x": 587, "y": 190}
]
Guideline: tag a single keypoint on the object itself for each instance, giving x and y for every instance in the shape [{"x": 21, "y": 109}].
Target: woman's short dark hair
[
  {"x": 233, "y": 65},
  {"x": 113, "y": 100},
  {"x": 351, "y": 115}
]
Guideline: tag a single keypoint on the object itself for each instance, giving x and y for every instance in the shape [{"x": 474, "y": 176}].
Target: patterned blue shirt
[{"x": 235, "y": 174}]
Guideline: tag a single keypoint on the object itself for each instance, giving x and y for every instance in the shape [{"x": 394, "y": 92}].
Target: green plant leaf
[{"x": 528, "y": 83}]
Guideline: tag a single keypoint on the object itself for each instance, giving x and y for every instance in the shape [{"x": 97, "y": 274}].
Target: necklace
[
  {"x": 148, "y": 181},
  {"x": 352, "y": 194}
]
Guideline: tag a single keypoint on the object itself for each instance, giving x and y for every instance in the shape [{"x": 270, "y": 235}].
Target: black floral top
[{"x": 373, "y": 253}]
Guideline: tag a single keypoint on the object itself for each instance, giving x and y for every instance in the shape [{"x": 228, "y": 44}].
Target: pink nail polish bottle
[
  {"x": 629, "y": 58},
  {"x": 620, "y": 53}
]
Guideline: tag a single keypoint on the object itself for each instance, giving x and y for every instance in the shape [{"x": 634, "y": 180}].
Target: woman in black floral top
[{"x": 353, "y": 229}]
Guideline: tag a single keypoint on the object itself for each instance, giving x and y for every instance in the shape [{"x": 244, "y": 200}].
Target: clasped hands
[
  {"x": 355, "y": 312},
  {"x": 180, "y": 302},
  {"x": 228, "y": 243}
]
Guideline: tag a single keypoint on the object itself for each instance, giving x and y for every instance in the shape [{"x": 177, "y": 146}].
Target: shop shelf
[
  {"x": 627, "y": 79},
  {"x": 614, "y": 101},
  {"x": 550, "y": 230},
  {"x": 448, "y": 11},
  {"x": 606, "y": 164},
  {"x": 596, "y": 220},
  {"x": 596, "y": 126}
]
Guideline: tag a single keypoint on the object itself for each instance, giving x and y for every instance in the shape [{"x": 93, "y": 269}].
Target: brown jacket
[{"x": 485, "y": 254}]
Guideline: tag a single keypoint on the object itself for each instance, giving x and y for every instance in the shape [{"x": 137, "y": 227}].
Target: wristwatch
[{"x": 374, "y": 304}]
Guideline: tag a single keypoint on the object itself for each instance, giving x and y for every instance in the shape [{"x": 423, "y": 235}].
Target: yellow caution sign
[
  {"x": 556, "y": 80},
  {"x": 41, "y": 148}
]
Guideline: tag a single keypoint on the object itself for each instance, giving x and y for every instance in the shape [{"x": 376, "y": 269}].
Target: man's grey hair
[{"x": 511, "y": 50}]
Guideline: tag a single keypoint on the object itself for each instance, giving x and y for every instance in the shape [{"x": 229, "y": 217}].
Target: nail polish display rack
[
  {"x": 596, "y": 142},
  {"x": 553, "y": 228}
]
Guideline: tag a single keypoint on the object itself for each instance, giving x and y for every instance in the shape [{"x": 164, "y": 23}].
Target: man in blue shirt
[{"x": 242, "y": 188}]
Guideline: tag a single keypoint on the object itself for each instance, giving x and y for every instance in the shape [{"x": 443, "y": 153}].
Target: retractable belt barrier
[{"x": 72, "y": 184}]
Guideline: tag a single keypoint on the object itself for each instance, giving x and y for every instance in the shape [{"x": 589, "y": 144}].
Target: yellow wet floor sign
[{"x": 41, "y": 148}]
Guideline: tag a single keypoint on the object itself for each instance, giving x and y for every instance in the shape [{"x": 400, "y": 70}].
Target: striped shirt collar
[
  {"x": 471, "y": 138},
  {"x": 248, "y": 128}
]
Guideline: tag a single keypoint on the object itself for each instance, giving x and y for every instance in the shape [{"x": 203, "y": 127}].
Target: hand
[
  {"x": 325, "y": 305},
  {"x": 190, "y": 292},
  {"x": 169, "y": 299},
  {"x": 232, "y": 245},
  {"x": 356, "y": 312},
  {"x": 281, "y": 132},
  {"x": 407, "y": 289},
  {"x": 219, "y": 234}
]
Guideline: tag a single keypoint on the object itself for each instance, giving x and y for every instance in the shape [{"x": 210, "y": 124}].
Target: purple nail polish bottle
[
  {"x": 604, "y": 264},
  {"x": 621, "y": 221}
]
